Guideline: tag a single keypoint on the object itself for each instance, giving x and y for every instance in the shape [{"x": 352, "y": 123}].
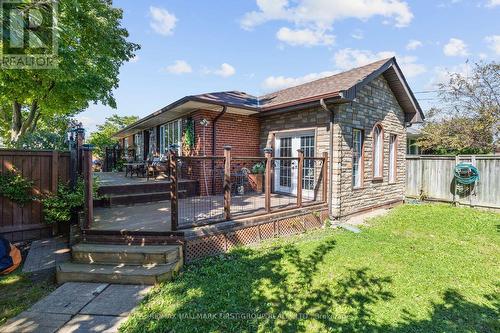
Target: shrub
[{"x": 16, "y": 188}]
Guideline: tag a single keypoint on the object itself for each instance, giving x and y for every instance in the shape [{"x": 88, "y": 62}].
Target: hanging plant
[
  {"x": 189, "y": 134},
  {"x": 16, "y": 188}
]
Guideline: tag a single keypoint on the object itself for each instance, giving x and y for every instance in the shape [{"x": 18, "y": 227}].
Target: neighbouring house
[
  {"x": 359, "y": 117},
  {"x": 413, "y": 133}
]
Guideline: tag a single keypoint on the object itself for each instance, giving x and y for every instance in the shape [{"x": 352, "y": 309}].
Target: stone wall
[{"x": 375, "y": 103}]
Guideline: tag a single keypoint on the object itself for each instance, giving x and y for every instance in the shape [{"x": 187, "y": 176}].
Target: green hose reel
[{"x": 466, "y": 173}]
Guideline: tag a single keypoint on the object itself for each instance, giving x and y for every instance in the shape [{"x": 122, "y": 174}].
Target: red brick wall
[{"x": 241, "y": 132}]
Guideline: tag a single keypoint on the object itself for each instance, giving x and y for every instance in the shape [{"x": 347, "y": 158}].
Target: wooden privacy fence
[
  {"x": 432, "y": 177},
  {"x": 46, "y": 169}
]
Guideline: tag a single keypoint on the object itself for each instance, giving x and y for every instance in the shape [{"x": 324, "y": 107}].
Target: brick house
[{"x": 359, "y": 117}]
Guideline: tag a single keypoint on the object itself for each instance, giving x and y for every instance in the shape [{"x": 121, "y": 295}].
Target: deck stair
[
  {"x": 130, "y": 194},
  {"x": 122, "y": 259}
]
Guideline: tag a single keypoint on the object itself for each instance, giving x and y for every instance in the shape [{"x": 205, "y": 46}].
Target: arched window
[{"x": 378, "y": 151}]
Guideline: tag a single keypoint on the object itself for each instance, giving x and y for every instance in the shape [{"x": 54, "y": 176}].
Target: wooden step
[
  {"x": 136, "y": 198},
  {"x": 121, "y": 274},
  {"x": 132, "y": 237},
  {"x": 88, "y": 253}
]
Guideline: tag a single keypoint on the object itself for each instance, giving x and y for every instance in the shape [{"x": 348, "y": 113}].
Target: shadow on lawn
[{"x": 282, "y": 290}]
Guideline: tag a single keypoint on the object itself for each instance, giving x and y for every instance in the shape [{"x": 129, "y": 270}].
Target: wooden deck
[{"x": 193, "y": 211}]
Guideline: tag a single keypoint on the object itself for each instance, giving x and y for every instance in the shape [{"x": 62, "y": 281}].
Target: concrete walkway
[
  {"x": 79, "y": 307},
  {"x": 45, "y": 254}
]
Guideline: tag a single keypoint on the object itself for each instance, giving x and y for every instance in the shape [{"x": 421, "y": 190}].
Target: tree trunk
[
  {"x": 19, "y": 126},
  {"x": 15, "y": 129}
]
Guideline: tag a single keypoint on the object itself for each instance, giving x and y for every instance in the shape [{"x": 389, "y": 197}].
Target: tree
[
  {"x": 103, "y": 137},
  {"x": 469, "y": 120},
  {"x": 50, "y": 135},
  {"x": 92, "y": 47}
]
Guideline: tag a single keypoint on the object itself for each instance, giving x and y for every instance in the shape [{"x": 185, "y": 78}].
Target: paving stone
[
  {"x": 46, "y": 254},
  {"x": 89, "y": 323},
  {"x": 69, "y": 298},
  {"x": 116, "y": 300},
  {"x": 35, "y": 322}
]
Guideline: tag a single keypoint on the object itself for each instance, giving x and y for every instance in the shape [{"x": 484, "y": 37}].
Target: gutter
[
  {"x": 330, "y": 156},
  {"x": 214, "y": 143}
]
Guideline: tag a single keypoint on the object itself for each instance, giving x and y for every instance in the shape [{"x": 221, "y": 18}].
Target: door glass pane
[
  {"x": 285, "y": 167},
  {"x": 307, "y": 145}
]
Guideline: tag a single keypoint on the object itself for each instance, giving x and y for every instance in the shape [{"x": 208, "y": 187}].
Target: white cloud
[
  {"x": 322, "y": 13},
  {"x": 225, "y": 70},
  {"x": 358, "y": 34},
  {"x": 494, "y": 43},
  {"x": 305, "y": 37},
  {"x": 162, "y": 21},
  {"x": 455, "y": 47},
  {"x": 442, "y": 74},
  {"x": 493, "y": 3},
  {"x": 413, "y": 44},
  {"x": 179, "y": 67},
  {"x": 136, "y": 58},
  {"x": 314, "y": 17},
  {"x": 346, "y": 59},
  {"x": 280, "y": 82}
]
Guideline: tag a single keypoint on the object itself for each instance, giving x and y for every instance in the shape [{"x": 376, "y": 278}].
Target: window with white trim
[
  {"x": 357, "y": 157},
  {"x": 139, "y": 146},
  {"x": 171, "y": 134},
  {"x": 378, "y": 151},
  {"x": 393, "y": 139}
]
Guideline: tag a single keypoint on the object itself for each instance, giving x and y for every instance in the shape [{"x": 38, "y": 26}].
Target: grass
[
  {"x": 18, "y": 292},
  {"x": 421, "y": 268}
]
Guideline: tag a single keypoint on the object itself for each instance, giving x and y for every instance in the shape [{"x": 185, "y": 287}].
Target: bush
[
  {"x": 16, "y": 188},
  {"x": 58, "y": 207}
]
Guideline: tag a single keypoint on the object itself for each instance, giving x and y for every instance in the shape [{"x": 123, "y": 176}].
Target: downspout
[
  {"x": 330, "y": 157},
  {"x": 214, "y": 143}
]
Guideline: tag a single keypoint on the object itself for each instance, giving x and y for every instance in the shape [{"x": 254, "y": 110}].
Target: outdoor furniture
[
  {"x": 135, "y": 167},
  {"x": 155, "y": 167}
]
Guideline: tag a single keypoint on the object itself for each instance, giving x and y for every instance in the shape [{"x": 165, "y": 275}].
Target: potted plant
[{"x": 256, "y": 177}]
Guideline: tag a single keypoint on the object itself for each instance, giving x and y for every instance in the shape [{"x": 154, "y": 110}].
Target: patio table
[{"x": 135, "y": 167}]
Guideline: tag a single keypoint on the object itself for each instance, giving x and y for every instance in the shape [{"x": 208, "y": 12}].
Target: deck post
[
  {"x": 267, "y": 187},
  {"x": 227, "y": 182},
  {"x": 174, "y": 191},
  {"x": 88, "y": 182},
  {"x": 325, "y": 176},
  {"x": 300, "y": 176}
]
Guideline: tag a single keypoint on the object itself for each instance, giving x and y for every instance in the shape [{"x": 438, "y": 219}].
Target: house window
[
  {"x": 357, "y": 157},
  {"x": 393, "y": 148},
  {"x": 171, "y": 134},
  {"x": 125, "y": 147},
  {"x": 139, "y": 146},
  {"x": 378, "y": 151}
]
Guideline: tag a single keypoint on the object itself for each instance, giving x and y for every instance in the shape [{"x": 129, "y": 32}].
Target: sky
[{"x": 258, "y": 46}]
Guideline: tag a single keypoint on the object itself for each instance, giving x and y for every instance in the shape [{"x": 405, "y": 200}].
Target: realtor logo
[{"x": 28, "y": 34}]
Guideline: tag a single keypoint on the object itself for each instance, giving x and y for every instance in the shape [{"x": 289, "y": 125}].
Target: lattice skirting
[{"x": 222, "y": 242}]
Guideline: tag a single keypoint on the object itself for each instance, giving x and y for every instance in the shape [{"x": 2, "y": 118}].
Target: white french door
[{"x": 286, "y": 171}]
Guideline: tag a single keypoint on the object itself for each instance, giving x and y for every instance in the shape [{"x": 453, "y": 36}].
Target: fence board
[
  {"x": 432, "y": 177},
  {"x": 25, "y": 222}
]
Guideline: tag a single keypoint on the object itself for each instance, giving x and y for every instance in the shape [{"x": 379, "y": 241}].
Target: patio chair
[{"x": 155, "y": 167}]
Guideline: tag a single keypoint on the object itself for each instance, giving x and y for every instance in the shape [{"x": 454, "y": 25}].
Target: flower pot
[{"x": 256, "y": 182}]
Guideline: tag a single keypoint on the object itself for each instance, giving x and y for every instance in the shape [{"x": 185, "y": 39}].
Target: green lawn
[
  {"x": 18, "y": 292},
  {"x": 422, "y": 268}
]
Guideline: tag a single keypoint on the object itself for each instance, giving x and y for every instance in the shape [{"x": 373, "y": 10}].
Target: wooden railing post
[
  {"x": 227, "y": 182},
  {"x": 325, "y": 176},
  {"x": 300, "y": 176},
  {"x": 267, "y": 188},
  {"x": 174, "y": 190},
  {"x": 88, "y": 182}
]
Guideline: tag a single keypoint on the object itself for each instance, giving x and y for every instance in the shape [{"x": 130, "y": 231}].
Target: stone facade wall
[
  {"x": 315, "y": 119},
  {"x": 375, "y": 103}
]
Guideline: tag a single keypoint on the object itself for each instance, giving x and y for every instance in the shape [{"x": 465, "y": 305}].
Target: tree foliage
[
  {"x": 103, "y": 137},
  {"x": 92, "y": 47},
  {"x": 469, "y": 120}
]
